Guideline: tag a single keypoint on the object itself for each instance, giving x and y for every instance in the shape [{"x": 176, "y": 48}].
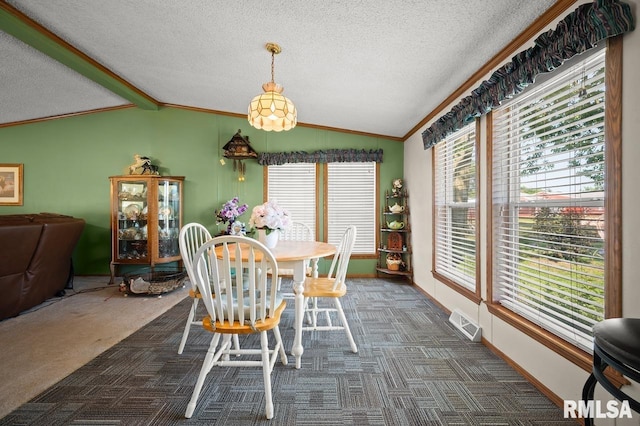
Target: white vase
[{"x": 270, "y": 240}]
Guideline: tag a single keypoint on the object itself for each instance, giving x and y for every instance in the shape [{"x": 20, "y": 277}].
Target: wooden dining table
[{"x": 296, "y": 255}]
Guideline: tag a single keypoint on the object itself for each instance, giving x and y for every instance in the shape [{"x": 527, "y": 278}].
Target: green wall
[{"x": 67, "y": 163}]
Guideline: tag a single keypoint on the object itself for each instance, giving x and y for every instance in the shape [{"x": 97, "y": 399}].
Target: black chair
[{"x": 617, "y": 345}]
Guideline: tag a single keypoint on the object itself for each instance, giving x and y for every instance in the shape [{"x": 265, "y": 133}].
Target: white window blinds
[
  {"x": 455, "y": 207},
  {"x": 294, "y": 186},
  {"x": 351, "y": 200},
  {"x": 548, "y": 202}
]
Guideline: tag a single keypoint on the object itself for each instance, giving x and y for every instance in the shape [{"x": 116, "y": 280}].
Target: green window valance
[
  {"x": 322, "y": 156},
  {"x": 578, "y": 32}
]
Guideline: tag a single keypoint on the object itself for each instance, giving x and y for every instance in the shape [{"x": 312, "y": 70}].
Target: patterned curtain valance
[
  {"x": 578, "y": 32},
  {"x": 327, "y": 156}
]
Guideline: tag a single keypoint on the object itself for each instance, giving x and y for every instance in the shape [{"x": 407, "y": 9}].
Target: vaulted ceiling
[{"x": 378, "y": 66}]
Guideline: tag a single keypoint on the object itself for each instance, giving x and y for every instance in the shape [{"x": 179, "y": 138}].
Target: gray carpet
[{"x": 412, "y": 368}]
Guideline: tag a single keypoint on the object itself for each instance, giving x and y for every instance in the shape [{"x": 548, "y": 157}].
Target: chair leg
[
  {"x": 187, "y": 327},
  {"x": 283, "y": 354},
  {"x": 305, "y": 308},
  {"x": 343, "y": 318},
  {"x": 327, "y": 314},
  {"x": 236, "y": 343},
  {"x": 587, "y": 395},
  {"x": 206, "y": 367},
  {"x": 314, "y": 312},
  {"x": 226, "y": 343},
  {"x": 266, "y": 373}
]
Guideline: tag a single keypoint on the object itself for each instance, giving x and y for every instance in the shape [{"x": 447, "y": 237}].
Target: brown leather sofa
[{"x": 35, "y": 258}]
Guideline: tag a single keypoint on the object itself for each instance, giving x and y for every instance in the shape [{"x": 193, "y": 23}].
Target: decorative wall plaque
[{"x": 394, "y": 242}]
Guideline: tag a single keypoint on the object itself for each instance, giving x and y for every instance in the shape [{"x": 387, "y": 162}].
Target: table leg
[
  {"x": 298, "y": 288},
  {"x": 297, "y": 349}
]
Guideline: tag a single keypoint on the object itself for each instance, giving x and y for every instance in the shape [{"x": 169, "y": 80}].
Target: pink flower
[{"x": 269, "y": 216}]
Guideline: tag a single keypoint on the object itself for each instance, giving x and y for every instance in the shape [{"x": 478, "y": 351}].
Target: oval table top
[{"x": 290, "y": 251}]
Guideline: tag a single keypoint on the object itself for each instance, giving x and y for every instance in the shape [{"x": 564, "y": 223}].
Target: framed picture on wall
[{"x": 11, "y": 178}]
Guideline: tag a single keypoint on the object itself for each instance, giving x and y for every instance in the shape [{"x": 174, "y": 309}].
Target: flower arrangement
[
  {"x": 230, "y": 212},
  {"x": 269, "y": 216}
]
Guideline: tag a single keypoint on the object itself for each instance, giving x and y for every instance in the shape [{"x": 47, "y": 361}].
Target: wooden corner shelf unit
[{"x": 394, "y": 253}]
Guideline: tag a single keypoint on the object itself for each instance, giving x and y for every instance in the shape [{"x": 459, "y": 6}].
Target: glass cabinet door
[
  {"x": 168, "y": 218},
  {"x": 132, "y": 220}
]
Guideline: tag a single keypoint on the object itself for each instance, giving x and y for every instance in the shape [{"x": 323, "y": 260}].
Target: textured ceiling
[{"x": 368, "y": 66}]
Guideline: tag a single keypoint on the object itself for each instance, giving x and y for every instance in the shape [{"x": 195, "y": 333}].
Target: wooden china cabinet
[{"x": 146, "y": 217}]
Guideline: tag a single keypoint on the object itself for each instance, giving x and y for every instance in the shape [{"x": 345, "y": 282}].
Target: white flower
[{"x": 269, "y": 216}]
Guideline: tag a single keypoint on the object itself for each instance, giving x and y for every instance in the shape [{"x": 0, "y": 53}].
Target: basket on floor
[{"x": 156, "y": 281}]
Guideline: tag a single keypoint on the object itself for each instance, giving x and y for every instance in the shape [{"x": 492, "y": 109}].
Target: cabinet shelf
[
  {"x": 403, "y": 194},
  {"x": 394, "y": 272},
  {"x": 386, "y": 250}
]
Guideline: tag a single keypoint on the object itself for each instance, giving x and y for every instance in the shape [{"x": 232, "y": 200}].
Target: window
[
  {"x": 351, "y": 200},
  {"x": 294, "y": 186},
  {"x": 351, "y": 194},
  {"x": 455, "y": 196},
  {"x": 548, "y": 202}
]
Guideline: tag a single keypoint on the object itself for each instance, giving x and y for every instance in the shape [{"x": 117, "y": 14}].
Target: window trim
[
  {"x": 613, "y": 219},
  {"x": 474, "y": 296}
]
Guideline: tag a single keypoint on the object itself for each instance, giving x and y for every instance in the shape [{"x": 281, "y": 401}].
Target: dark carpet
[{"x": 412, "y": 368}]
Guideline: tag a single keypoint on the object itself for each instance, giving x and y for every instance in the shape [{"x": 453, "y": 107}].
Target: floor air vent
[{"x": 465, "y": 325}]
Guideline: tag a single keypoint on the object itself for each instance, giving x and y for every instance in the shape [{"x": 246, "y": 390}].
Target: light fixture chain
[{"x": 273, "y": 55}]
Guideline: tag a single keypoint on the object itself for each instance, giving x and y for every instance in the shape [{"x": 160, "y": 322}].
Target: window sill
[
  {"x": 577, "y": 356},
  {"x": 471, "y": 295}
]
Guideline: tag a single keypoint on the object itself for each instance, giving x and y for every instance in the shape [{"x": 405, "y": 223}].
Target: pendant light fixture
[{"x": 271, "y": 111}]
